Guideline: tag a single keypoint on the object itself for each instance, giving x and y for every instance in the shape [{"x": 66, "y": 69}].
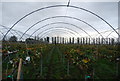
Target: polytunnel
[{"x": 60, "y": 40}]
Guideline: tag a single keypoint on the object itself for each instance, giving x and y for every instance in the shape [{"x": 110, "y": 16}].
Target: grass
[{"x": 104, "y": 69}]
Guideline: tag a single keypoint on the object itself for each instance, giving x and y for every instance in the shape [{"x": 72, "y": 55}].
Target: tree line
[{"x": 63, "y": 40}]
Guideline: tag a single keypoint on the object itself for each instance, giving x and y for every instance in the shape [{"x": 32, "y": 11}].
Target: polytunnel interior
[
  {"x": 66, "y": 12},
  {"x": 78, "y": 34}
]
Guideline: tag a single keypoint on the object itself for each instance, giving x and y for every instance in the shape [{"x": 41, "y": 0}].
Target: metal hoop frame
[{"x": 61, "y": 6}]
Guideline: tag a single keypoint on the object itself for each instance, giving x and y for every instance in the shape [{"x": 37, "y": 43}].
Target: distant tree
[
  {"x": 63, "y": 40},
  {"x": 73, "y": 40},
  {"x": 52, "y": 40},
  {"x": 78, "y": 40},
  {"x": 70, "y": 40},
  {"x": 13, "y": 39},
  {"x": 41, "y": 40},
  {"x": 48, "y": 39},
  {"x": 30, "y": 40},
  {"x": 55, "y": 40}
]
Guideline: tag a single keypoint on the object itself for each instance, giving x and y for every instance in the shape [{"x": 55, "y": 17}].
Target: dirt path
[
  {"x": 55, "y": 65},
  {"x": 50, "y": 65}
]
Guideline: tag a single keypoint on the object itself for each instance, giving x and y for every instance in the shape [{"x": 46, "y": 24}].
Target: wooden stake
[{"x": 19, "y": 70}]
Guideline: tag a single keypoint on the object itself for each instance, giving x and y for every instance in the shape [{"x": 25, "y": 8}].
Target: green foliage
[{"x": 54, "y": 58}]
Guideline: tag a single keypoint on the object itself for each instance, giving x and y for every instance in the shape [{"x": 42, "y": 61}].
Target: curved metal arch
[
  {"x": 61, "y": 6},
  {"x": 2, "y": 36},
  {"x": 10, "y": 32},
  {"x": 66, "y": 34},
  {"x": 62, "y": 23},
  {"x": 54, "y": 31},
  {"x": 16, "y": 31},
  {"x": 7, "y": 30},
  {"x": 110, "y": 33},
  {"x": 2, "y": 33},
  {"x": 57, "y": 28},
  {"x": 64, "y": 17}
]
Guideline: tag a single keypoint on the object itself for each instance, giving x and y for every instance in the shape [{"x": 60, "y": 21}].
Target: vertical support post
[
  {"x": 89, "y": 41},
  {"x": 19, "y": 69},
  {"x": 109, "y": 41},
  {"x": 99, "y": 41},
  {"x": 86, "y": 40},
  {"x": 41, "y": 66},
  {"x": 93, "y": 73},
  {"x": 93, "y": 41},
  {"x": 117, "y": 69},
  {"x": 85, "y": 78},
  {"x": 68, "y": 68}
]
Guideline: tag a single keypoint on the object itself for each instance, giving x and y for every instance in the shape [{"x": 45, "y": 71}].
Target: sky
[
  {"x": 13, "y": 11},
  {"x": 59, "y": 0}
]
